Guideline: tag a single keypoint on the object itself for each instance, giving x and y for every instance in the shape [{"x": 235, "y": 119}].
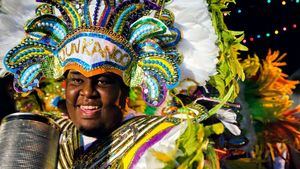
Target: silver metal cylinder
[{"x": 28, "y": 141}]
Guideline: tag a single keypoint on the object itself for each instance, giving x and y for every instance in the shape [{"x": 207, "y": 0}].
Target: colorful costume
[
  {"x": 125, "y": 148},
  {"x": 138, "y": 41}
]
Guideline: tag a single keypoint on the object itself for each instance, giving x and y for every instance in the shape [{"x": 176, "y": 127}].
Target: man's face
[{"x": 93, "y": 103}]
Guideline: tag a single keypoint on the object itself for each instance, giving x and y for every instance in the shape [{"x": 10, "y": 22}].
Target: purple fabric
[{"x": 148, "y": 144}]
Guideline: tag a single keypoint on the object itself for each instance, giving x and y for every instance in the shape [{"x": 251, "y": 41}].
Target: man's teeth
[{"x": 89, "y": 107}]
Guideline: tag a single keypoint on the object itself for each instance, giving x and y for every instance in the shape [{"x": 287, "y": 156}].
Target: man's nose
[{"x": 89, "y": 90}]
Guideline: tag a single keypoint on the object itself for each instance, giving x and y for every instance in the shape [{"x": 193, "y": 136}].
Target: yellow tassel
[{"x": 164, "y": 157}]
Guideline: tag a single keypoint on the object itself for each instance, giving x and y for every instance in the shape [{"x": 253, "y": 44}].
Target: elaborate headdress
[{"x": 134, "y": 39}]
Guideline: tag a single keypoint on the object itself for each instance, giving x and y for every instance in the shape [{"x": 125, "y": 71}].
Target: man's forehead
[
  {"x": 106, "y": 74},
  {"x": 74, "y": 72}
]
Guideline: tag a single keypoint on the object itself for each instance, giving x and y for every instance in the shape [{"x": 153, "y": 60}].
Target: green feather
[{"x": 150, "y": 110}]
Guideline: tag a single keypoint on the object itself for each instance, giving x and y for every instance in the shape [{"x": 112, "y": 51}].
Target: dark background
[{"x": 258, "y": 17}]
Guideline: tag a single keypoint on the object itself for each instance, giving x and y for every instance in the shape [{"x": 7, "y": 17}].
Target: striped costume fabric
[{"x": 122, "y": 149}]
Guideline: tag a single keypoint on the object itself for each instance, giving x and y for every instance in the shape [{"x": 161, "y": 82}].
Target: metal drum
[{"x": 28, "y": 141}]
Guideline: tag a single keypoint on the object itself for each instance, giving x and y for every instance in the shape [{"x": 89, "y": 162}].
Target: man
[
  {"x": 125, "y": 44},
  {"x": 100, "y": 57},
  {"x": 96, "y": 106}
]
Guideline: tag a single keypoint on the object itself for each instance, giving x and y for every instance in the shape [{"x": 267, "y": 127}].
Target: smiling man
[
  {"x": 122, "y": 45},
  {"x": 101, "y": 56},
  {"x": 94, "y": 104},
  {"x": 100, "y": 129}
]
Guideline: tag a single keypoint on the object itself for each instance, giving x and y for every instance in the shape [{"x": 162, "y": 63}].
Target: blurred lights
[
  {"x": 269, "y": 34},
  {"x": 284, "y": 29},
  {"x": 294, "y": 26},
  {"x": 284, "y": 1}
]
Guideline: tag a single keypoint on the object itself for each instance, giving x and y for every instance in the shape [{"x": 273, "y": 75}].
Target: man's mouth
[{"x": 89, "y": 111}]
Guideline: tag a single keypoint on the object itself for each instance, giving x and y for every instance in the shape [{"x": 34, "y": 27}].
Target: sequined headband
[{"x": 134, "y": 39}]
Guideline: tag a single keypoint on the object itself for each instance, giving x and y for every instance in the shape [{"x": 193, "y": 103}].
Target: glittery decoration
[
  {"x": 86, "y": 13},
  {"x": 44, "y": 9},
  {"x": 68, "y": 11},
  {"x": 154, "y": 89},
  {"x": 163, "y": 68},
  {"x": 50, "y": 25},
  {"x": 170, "y": 40},
  {"x": 146, "y": 27},
  {"x": 23, "y": 62},
  {"x": 120, "y": 22},
  {"x": 146, "y": 47},
  {"x": 166, "y": 16}
]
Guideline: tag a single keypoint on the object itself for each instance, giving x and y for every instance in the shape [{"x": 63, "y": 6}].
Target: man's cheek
[
  {"x": 113, "y": 100},
  {"x": 72, "y": 95}
]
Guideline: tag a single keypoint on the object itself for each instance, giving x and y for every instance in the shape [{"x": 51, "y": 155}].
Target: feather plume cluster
[{"x": 199, "y": 38}]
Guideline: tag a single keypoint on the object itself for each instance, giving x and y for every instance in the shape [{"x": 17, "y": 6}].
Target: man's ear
[
  {"x": 124, "y": 95},
  {"x": 63, "y": 107},
  {"x": 64, "y": 84}
]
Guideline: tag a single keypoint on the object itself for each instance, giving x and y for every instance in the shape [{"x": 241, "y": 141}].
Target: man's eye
[
  {"x": 104, "y": 82},
  {"x": 76, "y": 81}
]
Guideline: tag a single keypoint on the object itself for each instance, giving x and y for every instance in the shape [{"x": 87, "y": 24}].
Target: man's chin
[{"x": 94, "y": 132}]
